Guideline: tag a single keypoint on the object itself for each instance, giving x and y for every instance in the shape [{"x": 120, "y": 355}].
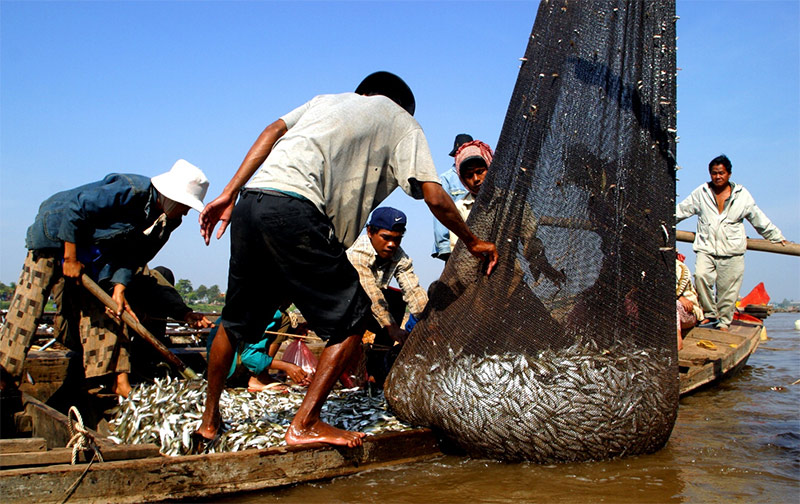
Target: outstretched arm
[
  {"x": 444, "y": 209},
  {"x": 220, "y": 209}
]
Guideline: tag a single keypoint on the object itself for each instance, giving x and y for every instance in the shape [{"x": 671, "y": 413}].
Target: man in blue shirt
[{"x": 109, "y": 229}]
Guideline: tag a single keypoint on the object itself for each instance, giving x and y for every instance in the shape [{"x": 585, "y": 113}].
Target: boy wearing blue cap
[{"x": 378, "y": 258}]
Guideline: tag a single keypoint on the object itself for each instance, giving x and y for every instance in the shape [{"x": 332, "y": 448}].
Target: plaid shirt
[{"x": 376, "y": 274}]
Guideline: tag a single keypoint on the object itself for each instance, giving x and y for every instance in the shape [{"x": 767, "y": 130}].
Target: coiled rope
[{"x": 80, "y": 440}]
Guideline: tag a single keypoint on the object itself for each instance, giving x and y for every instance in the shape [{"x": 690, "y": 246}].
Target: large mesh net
[{"x": 567, "y": 352}]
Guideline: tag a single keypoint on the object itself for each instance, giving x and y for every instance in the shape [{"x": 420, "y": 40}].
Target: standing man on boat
[
  {"x": 317, "y": 173},
  {"x": 108, "y": 229},
  {"x": 721, "y": 207}
]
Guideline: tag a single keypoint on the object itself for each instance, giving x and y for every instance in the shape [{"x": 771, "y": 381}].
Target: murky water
[{"x": 737, "y": 442}]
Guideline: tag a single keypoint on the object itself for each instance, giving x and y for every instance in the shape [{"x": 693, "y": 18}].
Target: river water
[{"x": 737, "y": 442}]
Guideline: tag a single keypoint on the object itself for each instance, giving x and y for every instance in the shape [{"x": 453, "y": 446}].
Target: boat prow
[{"x": 710, "y": 355}]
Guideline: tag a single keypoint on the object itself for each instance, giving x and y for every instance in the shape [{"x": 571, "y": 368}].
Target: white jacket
[{"x": 722, "y": 234}]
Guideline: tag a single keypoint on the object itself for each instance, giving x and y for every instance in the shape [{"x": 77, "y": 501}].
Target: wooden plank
[
  {"x": 22, "y": 445},
  {"x": 53, "y": 425},
  {"x": 45, "y": 372},
  {"x": 184, "y": 351},
  {"x": 64, "y": 455},
  {"x": 194, "y": 476},
  {"x": 49, "y": 365}
]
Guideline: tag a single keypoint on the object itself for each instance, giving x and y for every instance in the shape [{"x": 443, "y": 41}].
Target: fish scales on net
[
  {"x": 167, "y": 412},
  {"x": 575, "y": 404}
]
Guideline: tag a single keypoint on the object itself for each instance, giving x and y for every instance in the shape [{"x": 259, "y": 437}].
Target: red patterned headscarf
[{"x": 472, "y": 149}]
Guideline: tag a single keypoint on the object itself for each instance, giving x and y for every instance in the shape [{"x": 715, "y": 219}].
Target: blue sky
[{"x": 89, "y": 88}]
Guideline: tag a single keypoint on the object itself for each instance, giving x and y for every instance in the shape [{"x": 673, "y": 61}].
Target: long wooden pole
[
  {"x": 752, "y": 244},
  {"x": 104, "y": 298}
]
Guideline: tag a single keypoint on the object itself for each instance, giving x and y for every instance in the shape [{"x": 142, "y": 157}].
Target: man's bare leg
[
  {"x": 306, "y": 427},
  {"x": 219, "y": 362}
]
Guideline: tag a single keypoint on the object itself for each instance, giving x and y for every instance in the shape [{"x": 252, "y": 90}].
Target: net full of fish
[
  {"x": 167, "y": 412},
  {"x": 575, "y": 404}
]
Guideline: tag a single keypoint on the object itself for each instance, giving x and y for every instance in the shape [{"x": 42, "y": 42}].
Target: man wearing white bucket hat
[
  {"x": 308, "y": 184},
  {"x": 108, "y": 229}
]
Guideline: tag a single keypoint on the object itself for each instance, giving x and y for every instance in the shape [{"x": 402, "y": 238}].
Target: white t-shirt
[
  {"x": 346, "y": 153},
  {"x": 464, "y": 207}
]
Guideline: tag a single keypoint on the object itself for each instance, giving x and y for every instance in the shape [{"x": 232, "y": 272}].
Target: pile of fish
[
  {"x": 168, "y": 412},
  {"x": 575, "y": 404}
]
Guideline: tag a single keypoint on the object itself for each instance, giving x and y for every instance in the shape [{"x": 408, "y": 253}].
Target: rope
[{"x": 81, "y": 439}]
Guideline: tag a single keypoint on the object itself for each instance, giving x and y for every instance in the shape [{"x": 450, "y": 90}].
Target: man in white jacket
[{"x": 721, "y": 207}]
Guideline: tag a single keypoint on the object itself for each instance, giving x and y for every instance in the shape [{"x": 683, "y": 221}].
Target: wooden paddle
[{"x": 104, "y": 298}]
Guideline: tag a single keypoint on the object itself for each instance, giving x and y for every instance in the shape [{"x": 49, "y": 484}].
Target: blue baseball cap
[{"x": 388, "y": 218}]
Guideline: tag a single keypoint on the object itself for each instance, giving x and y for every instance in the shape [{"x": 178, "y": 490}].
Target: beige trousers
[{"x": 726, "y": 273}]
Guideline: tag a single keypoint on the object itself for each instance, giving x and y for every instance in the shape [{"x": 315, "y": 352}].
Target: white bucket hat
[{"x": 184, "y": 183}]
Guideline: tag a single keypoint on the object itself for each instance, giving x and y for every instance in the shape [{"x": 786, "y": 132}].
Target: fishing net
[{"x": 567, "y": 352}]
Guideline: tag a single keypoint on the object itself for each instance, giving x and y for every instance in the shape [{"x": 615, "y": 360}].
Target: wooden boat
[
  {"x": 709, "y": 355},
  {"x": 38, "y": 469},
  {"x": 37, "y": 466}
]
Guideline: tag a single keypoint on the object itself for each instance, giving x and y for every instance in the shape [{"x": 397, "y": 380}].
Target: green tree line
[
  {"x": 201, "y": 295},
  {"x": 7, "y": 291}
]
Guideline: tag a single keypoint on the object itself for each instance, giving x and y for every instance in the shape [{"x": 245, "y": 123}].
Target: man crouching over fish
[{"x": 317, "y": 173}]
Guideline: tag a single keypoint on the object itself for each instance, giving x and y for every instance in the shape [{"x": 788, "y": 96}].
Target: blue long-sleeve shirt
[
  {"x": 106, "y": 220},
  {"x": 441, "y": 235}
]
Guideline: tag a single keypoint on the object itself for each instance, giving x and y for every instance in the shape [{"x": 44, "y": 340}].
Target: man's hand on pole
[{"x": 122, "y": 304}]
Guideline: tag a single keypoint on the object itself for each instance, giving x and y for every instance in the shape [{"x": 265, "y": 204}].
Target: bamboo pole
[
  {"x": 752, "y": 244},
  {"x": 104, "y": 298}
]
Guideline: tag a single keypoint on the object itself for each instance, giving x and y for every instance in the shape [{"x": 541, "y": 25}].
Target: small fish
[
  {"x": 170, "y": 410},
  {"x": 574, "y": 404}
]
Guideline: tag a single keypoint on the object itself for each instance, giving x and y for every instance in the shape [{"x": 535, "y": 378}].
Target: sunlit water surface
[{"x": 737, "y": 442}]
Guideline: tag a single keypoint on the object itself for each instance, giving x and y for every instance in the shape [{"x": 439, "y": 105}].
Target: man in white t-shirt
[{"x": 317, "y": 173}]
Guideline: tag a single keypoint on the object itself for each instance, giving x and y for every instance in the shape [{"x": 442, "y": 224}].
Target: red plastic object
[
  {"x": 744, "y": 317},
  {"x": 757, "y": 296}
]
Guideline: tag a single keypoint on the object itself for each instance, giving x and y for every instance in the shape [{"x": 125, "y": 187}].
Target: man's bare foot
[
  {"x": 122, "y": 386},
  {"x": 260, "y": 383},
  {"x": 210, "y": 424},
  {"x": 723, "y": 328},
  {"x": 321, "y": 432},
  {"x": 209, "y": 428}
]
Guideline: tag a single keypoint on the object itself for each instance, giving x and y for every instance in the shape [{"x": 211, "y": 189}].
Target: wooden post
[{"x": 752, "y": 244}]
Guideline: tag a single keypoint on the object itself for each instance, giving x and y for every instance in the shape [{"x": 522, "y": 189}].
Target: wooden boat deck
[
  {"x": 701, "y": 366},
  {"x": 38, "y": 469}
]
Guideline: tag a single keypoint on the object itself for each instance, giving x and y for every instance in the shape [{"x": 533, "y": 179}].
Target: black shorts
[{"x": 284, "y": 250}]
